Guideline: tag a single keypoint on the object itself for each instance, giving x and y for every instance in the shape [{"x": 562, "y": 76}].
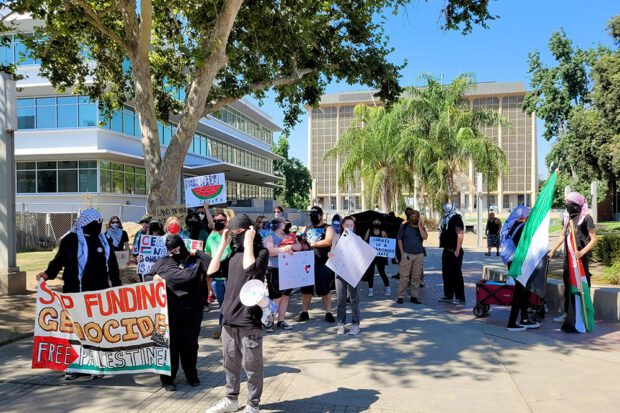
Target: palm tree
[
  {"x": 370, "y": 152},
  {"x": 441, "y": 134}
]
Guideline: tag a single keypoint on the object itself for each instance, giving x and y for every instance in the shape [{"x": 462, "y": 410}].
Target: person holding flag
[{"x": 579, "y": 236}]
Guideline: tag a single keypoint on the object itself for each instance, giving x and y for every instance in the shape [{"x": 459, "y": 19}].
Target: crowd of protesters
[{"x": 237, "y": 248}]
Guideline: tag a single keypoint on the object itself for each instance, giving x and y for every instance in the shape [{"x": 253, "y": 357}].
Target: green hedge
[{"x": 607, "y": 249}]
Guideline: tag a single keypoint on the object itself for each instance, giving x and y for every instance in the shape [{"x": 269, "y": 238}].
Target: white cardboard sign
[
  {"x": 386, "y": 247},
  {"x": 296, "y": 270},
  {"x": 351, "y": 257},
  {"x": 207, "y": 188}
]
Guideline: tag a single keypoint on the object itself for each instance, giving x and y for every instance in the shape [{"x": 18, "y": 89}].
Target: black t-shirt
[
  {"x": 235, "y": 314},
  {"x": 448, "y": 237},
  {"x": 582, "y": 232},
  {"x": 493, "y": 226},
  {"x": 183, "y": 285},
  {"x": 316, "y": 234}
]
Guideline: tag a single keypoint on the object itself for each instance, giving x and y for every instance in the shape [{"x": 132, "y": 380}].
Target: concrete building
[
  {"x": 518, "y": 186},
  {"x": 67, "y": 154}
]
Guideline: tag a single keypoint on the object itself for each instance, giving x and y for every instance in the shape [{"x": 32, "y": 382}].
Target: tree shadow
[{"x": 338, "y": 400}]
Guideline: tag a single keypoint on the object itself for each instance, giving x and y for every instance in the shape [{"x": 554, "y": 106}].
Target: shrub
[
  {"x": 607, "y": 249},
  {"x": 611, "y": 274}
]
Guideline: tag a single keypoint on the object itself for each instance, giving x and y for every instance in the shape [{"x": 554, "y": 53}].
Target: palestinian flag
[
  {"x": 583, "y": 307},
  {"x": 534, "y": 242}
]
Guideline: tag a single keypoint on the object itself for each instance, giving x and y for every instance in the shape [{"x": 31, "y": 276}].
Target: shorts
[
  {"x": 324, "y": 281},
  {"x": 273, "y": 284},
  {"x": 492, "y": 241}
]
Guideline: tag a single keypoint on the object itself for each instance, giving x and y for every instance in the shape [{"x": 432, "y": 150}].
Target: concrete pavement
[{"x": 409, "y": 358}]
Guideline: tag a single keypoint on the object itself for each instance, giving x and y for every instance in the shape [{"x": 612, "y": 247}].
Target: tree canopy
[
  {"x": 296, "y": 179},
  {"x": 187, "y": 58}
]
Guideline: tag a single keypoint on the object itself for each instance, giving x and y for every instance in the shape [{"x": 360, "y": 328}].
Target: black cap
[{"x": 316, "y": 210}]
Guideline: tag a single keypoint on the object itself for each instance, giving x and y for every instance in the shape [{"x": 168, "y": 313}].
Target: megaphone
[{"x": 254, "y": 293}]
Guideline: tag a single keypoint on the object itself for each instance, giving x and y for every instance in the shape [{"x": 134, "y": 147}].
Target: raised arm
[
  {"x": 214, "y": 265},
  {"x": 208, "y": 215}
]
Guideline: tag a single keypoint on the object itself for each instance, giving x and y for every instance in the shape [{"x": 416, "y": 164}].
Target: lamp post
[{"x": 12, "y": 280}]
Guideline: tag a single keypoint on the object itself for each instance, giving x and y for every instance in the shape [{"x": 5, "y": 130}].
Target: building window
[
  {"x": 56, "y": 176},
  {"x": 14, "y": 51},
  {"x": 122, "y": 179},
  {"x": 56, "y": 112},
  {"x": 239, "y": 121}
]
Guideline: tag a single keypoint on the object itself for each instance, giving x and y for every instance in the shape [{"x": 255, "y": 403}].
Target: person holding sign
[
  {"x": 319, "y": 235},
  {"x": 86, "y": 258},
  {"x": 277, "y": 243},
  {"x": 206, "y": 219},
  {"x": 411, "y": 236},
  {"x": 242, "y": 340},
  {"x": 379, "y": 262},
  {"x": 145, "y": 221},
  {"x": 182, "y": 270},
  {"x": 345, "y": 289}
]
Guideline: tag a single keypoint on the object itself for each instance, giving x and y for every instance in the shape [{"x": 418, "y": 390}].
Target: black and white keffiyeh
[{"x": 86, "y": 217}]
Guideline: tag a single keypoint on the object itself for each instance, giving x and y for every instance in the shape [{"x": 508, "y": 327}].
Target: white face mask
[
  {"x": 114, "y": 226},
  {"x": 277, "y": 214},
  {"x": 202, "y": 216}
]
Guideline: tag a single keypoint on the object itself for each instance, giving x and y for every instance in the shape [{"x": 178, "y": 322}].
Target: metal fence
[{"x": 40, "y": 225}]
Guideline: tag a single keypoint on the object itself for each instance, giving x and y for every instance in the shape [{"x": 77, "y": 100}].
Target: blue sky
[{"x": 496, "y": 54}]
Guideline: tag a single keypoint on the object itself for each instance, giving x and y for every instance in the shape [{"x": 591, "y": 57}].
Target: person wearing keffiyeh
[
  {"x": 451, "y": 240},
  {"x": 117, "y": 235}
]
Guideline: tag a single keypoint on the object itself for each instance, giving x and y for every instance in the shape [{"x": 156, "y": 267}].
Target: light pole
[{"x": 12, "y": 280}]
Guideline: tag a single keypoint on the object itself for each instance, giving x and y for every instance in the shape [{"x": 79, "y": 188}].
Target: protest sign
[
  {"x": 163, "y": 212},
  {"x": 208, "y": 188},
  {"x": 386, "y": 247},
  {"x": 296, "y": 270},
  {"x": 122, "y": 257},
  {"x": 352, "y": 257},
  {"x": 192, "y": 244},
  {"x": 121, "y": 330},
  {"x": 151, "y": 249}
]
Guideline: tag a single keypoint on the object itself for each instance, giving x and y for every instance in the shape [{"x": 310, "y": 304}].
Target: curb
[{"x": 606, "y": 300}]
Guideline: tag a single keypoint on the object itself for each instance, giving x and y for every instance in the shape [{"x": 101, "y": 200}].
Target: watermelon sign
[{"x": 208, "y": 188}]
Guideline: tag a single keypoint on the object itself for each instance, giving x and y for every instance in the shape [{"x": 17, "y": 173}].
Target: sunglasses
[
  {"x": 219, "y": 220},
  {"x": 114, "y": 222}
]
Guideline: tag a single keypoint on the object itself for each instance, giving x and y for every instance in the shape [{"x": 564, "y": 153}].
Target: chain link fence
[{"x": 41, "y": 225}]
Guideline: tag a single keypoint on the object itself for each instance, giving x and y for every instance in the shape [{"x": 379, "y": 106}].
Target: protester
[
  {"x": 242, "y": 341},
  {"x": 319, "y": 236},
  {"x": 344, "y": 289},
  {"x": 410, "y": 237},
  {"x": 278, "y": 212},
  {"x": 451, "y": 240},
  {"x": 492, "y": 231},
  {"x": 336, "y": 219},
  {"x": 182, "y": 270},
  {"x": 117, "y": 235},
  {"x": 194, "y": 230},
  {"x": 87, "y": 260},
  {"x": 206, "y": 220},
  {"x": 144, "y": 221},
  {"x": 278, "y": 242},
  {"x": 577, "y": 216},
  {"x": 261, "y": 220},
  {"x": 173, "y": 226},
  {"x": 510, "y": 237},
  {"x": 218, "y": 279},
  {"x": 155, "y": 228},
  {"x": 378, "y": 262}
]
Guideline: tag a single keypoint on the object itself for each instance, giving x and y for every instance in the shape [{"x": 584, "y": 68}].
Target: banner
[
  {"x": 386, "y": 247},
  {"x": 163, "y": 212},
  {"x": 122, "y": 257},
  {"x": 296, "y": 270},
  {"x": 208, "y": 188},
  {"x": 153, "y": 248},
  {"x": 121, "y": 330},
  {"x": 352, "y": 257}
]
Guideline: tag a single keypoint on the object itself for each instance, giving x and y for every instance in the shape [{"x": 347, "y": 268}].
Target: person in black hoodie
[
  {"x": 242, "y": 340},
  {"x": 87, "y": 259},
  {"x": 182, "y": 270}
]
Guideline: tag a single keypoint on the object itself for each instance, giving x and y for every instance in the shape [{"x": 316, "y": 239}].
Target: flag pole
[{"x": 578, "y": 273}]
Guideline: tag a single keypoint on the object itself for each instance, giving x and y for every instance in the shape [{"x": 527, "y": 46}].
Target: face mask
[
  {"x": 414, "y": 220},
  {"x": 219, "y": 225},
  {"x": 277, "y": 214},
  {"x": 573, "y": 209},
  {"x": 177, "y": 249},
  {"x": 336, "y": 225},
  {"x": 236, "y": 242},
  {"x": 202, "y": 216},
  {"x": 174, "y": 228},
  {"x": 114, "y": 226},
  {"x": 93, "y": 228},
  {"x": 315, "y": 219}
]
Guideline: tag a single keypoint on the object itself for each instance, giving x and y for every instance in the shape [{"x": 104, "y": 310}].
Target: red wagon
[{"x": 490, "y": 293}]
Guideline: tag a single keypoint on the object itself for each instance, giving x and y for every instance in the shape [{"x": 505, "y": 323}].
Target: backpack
[{"x": 508, "y": 247}]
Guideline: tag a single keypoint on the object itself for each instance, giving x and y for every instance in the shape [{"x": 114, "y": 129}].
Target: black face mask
[
  {"x": 92, "y": 228},
  {"x": 573, "y": 209},
  {"x": 172, "y": 243},
  {"x": 315, "y": 219},
  {"x": 287, "y": 228},
  {"x": 219, "y": 225},
  {"x": 236, "y": 242}
]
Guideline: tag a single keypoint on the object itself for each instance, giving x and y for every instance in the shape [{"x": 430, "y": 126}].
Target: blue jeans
[{"x": 219, "y": 288}]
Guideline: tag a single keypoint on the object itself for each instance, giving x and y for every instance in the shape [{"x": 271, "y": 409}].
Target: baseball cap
[
  {"x": 145, "y": 219},
  {"x": 316, "y": 210}
]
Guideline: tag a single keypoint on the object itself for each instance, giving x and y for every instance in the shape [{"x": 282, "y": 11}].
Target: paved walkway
[{"x": 409, "y": 358}]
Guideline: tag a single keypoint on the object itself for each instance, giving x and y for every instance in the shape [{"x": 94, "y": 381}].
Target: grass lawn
[
  {"x": 609, "y": 225},
  {"x": 35, "y": 261}
]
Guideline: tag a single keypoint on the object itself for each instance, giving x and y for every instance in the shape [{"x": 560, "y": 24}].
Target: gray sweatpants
[
  {"x": 342, "y": 287},
  {"x": 243, "y": 347}
]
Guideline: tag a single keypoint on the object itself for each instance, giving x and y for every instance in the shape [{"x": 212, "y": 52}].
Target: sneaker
[
  {"x": 355, "y": 330},
  {"x": 340, "y": 331},
  {"x": 396, "y": 276},
  {"x": 515, "y": 328},
  {"x": 445, "y": 300},
  {"x": 370, "y": 292},
  {"x": 284, "y": 325},
  {"x": 329, "y": 318},
  {"x": 217, "y": 334},
  {"x": 488, "y": 254},
  {"x": 72, "y": 376},
  {"x": 399, "y": 301},
  {"x": 560, "y": 319},
  {"x": 225, "y": 405},
  {"x": 415, "y": 300},
  {"x": 250, "y": 409},
  {"x": 303, "y": 316},
  {"x": 422, "y": 284},
  {"x": 458, "y": 302},
  {"x": 269, "y": 327},
  {"x": 169, "y": 387},
  {"x": 388, "y": 291},
  {"x": 193, "y": 383},
  {"x": 529, "y": 324}
]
